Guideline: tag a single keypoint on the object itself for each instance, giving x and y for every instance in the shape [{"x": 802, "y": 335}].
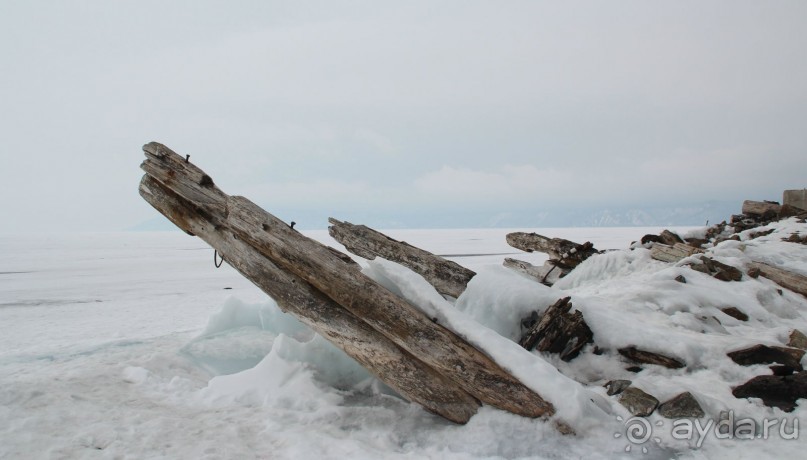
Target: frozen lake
[
  {"x": 112, "y": 344},
  {"x": 65, "y": 293}
]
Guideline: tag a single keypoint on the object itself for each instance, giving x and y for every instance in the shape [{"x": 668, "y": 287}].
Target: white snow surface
[{"x": 132, "y": 345}]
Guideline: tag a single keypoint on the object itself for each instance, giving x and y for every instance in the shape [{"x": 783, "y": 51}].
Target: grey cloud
[{"x": 408, "y": 107}]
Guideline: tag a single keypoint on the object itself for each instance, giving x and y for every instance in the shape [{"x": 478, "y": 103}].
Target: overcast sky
[{"x": 437, "y": 107}]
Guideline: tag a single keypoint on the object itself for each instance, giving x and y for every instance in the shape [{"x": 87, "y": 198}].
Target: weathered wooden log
[
  {"x": 396, "y": 367},
  {"x": 796, "y": 238},
  {"x": 548, "y": 274},
  {"x": 716, "y": 269},
  {"x": 764, "y": 354},
  {"x": 787, "y": 279},
  {"x": 564, "y": 252},
  {"x": 788, "y": 210},
  {"x": 797, "y": 198},
  {"x": 665, "y": 237},
  {"x": 766, "y": 209},
  {"x": 669, "y": 238},
  {"x": 648, "y": 357},
  {"x": 775, "y": 391},
  {"x": 315, "y": 264},
  {"x": 672, "y": 254},
  {"x": 447, "y": 277},
  {"x": 559, "y": 331}
]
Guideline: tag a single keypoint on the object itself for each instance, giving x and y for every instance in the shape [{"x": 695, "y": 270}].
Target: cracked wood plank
[
  {"x": 396, "y": 367},
  {"x": 316, "y": 264},
  {"x": 447, "y": 277}
]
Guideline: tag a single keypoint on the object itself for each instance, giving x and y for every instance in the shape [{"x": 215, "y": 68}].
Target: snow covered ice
[{"x": 132, "y": 345}]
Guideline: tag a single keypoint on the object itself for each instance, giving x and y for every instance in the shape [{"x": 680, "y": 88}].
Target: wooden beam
[
  {"x": 559, "y": 331},
  {"x": 672, "y": 254},
  {"x": 447, "y": 277},
  {"x": 761, "y": 208},
  {"x": 314, "y": 263},
  {"x": 396, "y": 367},
  {"x": 547, "y": 274},
  {"x": 563, "y": 252},
  {"x": 787, "y": 279}
]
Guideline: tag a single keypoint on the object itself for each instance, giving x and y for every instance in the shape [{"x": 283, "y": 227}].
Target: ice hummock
[{"x": 168, "y": 363}]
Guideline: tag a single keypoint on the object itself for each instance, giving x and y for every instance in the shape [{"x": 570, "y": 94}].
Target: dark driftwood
[
  {"x": 564, "y": 253},
  {"x": 447, "y": 277},
  {"x": 764, "y": 354},
  {"x": 666, "y": 237},
  {"x": 317, "y": 265},
  {"x": 648, "y": 357},
  {"x": 735, "y": 313},
  {"x": 774, "y": 390},
  {"x": 717, "y": 270},
  {"x": 787, "y": 279},
  {"x": 791, "y": 211},
  {"x": 559, "y": 331}
]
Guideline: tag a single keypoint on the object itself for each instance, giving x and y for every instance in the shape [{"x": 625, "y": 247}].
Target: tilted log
[
  {"x": 774, "y": 390},
  {"x": 548, "y": 274},
  {"x": 666, "y": 237},
  {"x": 314, "y": 263},
  {"x": 791, "y": 211},
  {"x": 447, "y": 277},
  {"x": 559, "y": 331},
  {"x": 716, "y": 269},
  {"x": 672, "y": 254},
  {"x": 787, "y": 279},
  {"x": 396, "y": 367},
  {"x": 564, "y": 252},
  {"x": 766, "y": 209},
  {"x": 648, "y": 357},
  {"x": 765, "y": 354}
]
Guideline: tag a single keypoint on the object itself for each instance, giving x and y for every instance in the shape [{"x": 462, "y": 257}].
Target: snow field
[{"x": 129, "y": 346}]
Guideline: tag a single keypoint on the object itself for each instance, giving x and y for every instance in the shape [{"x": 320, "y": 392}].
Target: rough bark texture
[
  {"x": 791, "y": 211},
  {"x": 390, "y": 363},
  {"x": 774, "y": 390},
  {"x": 648, "y": 357},
  {"x": 559, "y": 331},
  {"x": 797, "y": 198},
  {"x": 763, "y": 354},
  {"x": 761, "y": 208},
  {"x": 316, "y": 265},
  {"x": 564, "y": 253},
  {"x": 672, "y": 254},
  {"x": 548, "y": 274},
  {"x": 449, "y": 278},
  {"x": 793, "y": 281},
  {"x": 717, "y": 270}
]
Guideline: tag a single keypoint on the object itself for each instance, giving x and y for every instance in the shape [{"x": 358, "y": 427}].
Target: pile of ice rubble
[{"x": 266, "y": 359}]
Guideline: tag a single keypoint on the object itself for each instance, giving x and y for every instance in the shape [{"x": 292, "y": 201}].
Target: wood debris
[
  {"x": 559, "y": 331},
  {"x": 423, "y": 361},
  {"x": 449, "y": 278}
]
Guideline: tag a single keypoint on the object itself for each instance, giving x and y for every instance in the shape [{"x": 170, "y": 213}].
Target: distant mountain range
[
  {"x": 696, "y": 214},
  {"x": 632, "y": 216}
]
